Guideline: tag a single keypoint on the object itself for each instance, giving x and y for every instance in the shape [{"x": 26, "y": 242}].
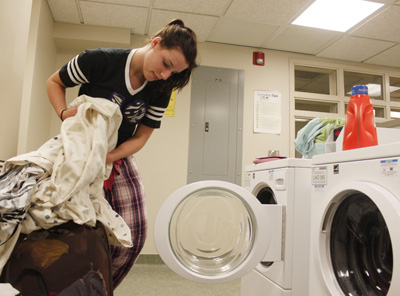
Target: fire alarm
[{"x": 258, "y": 58}]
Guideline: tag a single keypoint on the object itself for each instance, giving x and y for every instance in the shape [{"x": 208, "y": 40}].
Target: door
[
  {"x": 215, "y": 139},
  {"x": 215, "y": 231},
  {"x": 358, "y": 242}
]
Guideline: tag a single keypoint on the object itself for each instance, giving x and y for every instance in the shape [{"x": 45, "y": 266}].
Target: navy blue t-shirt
[{"x": 104, "y": 73}]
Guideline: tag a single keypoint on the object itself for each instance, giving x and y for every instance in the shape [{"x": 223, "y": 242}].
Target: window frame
[{"x": 340, "y": 96}]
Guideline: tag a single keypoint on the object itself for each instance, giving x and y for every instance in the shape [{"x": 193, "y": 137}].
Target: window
[
  {"x": 316, "y": 92},
  {"x": 395, "y": 112},
  {"x": 374, "y": 83},
  {"x": 394, "y": 89},
  {"x": 316, "y": 106},
  {"x": 315, "y": 80}
]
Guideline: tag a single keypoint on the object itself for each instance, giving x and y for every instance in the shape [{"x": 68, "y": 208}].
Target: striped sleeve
[
  {"x": 82, "y": 68},
  {"x": 155, "y": 113},
  {"x": 74, "y": 72}
]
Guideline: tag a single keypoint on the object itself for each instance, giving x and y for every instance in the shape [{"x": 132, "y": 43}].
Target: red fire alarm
[{"x": 258, "y": 58}]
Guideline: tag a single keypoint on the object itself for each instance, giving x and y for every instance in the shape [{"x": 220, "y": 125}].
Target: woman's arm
[
  {"x": 56, "y": 93},
  {"x": 132, "y": 145}
]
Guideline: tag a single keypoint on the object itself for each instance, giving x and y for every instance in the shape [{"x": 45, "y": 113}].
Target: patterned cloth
[
  {"x": 70, "y": 185},
  {"x": 311, "y": 138},
  {"x": 127, "y": 198},
  {"x": 16, "y": 187}
]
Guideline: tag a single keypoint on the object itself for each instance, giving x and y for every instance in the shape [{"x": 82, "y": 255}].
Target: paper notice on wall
[
  {"x": 170, "y": 111},
  {"x": 267, "y": 111}
]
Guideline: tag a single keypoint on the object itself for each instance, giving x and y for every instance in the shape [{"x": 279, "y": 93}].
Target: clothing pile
[
  {"x": 311, "y": 139},
  {"x": 63, "y": 180}
]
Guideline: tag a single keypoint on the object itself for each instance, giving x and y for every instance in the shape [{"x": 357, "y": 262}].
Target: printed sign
[
  {"x": 267, "y": 111},
  {"x": 389, "y": 167},
  {"x": 319, "y": 176}
]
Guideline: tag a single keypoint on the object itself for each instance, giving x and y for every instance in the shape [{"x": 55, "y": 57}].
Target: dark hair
[{"x": 173, "y": 35}]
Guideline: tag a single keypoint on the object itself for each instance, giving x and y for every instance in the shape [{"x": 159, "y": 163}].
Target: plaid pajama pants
[{"x": 127, "y": 198}]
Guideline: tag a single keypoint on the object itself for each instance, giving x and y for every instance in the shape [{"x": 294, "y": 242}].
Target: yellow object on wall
[{"x": 171, "y": 106}]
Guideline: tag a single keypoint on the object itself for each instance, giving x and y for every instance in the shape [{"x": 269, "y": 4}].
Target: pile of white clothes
[{"x": 63, "y": 179}]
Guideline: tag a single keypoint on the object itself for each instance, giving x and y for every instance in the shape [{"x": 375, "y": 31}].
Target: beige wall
[
  {"x": 27, "y": 59},
  {"x": 13, "y": 45},
  {"x": 40, "y": 63}
]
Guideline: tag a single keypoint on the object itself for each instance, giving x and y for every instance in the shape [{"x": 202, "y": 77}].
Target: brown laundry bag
[{"x": 47, "y": 262}]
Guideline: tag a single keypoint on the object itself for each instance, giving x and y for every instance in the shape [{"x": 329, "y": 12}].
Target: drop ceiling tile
[
  {"x": 301, "y": 39},
  {"x": 384, "y": 26},
  {"x": 354, "y": 49},
  {"x": 243, "y": 22},
  {"x": 118, "y": 16},
  {"x": 64, "y": 11},
  {"x": 200, "y": 24},
  {"x": 209, "y": 7},
  {"x": 272, "y": 12},
  {"x": 237, "y": 32},
  {"x": 390, "y": 57},
  {"x": 140, "y": 3}
]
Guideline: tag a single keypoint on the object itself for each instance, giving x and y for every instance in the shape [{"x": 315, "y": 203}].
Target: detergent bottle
[{"x": 359, "y": 129}]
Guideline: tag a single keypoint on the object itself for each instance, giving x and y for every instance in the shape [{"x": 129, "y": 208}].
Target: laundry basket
[{"x": 64, "y": 260}]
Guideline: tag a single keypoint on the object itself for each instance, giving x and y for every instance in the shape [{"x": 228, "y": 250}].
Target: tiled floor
[{"x": 155, "y": 278}]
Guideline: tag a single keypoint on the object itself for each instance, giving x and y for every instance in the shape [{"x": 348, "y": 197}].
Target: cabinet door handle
[{"x": 207, "y": 127}]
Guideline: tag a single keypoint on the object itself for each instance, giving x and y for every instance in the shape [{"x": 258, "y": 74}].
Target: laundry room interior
[{"x": 282, "y": 80}]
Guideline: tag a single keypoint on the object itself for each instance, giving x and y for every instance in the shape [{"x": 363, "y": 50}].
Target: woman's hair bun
[{"x": 177, "y": 22}]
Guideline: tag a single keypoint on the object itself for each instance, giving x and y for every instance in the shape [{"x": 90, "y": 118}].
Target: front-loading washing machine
[
  {"x": 355, "y": 221},
  {"x": 284, "y": 182},
  {"x": 215, "y": 231}
]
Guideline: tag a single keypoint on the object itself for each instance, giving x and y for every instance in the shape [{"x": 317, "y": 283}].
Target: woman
[{"x": 140, "y": 81}]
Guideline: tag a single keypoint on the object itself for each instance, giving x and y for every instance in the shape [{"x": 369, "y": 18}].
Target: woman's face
[{"x": 160, "y": 63}]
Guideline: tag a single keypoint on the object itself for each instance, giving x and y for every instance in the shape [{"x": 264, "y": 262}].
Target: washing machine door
[
  {"x": 359, "y": 241},
  {"x": 215, "y": 231}
]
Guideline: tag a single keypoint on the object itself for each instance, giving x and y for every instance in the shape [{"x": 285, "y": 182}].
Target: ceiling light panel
[{"x": 336, "y": 15}]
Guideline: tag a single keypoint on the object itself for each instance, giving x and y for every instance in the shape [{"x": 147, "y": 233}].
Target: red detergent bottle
[{"x": 359, "y": 129}]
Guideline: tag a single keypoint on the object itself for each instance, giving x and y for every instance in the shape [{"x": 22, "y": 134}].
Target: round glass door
[
  {"x": 211, "y": 231},
  {"x": 361, "y": 248},
  {"x": 358, "y": 240}
]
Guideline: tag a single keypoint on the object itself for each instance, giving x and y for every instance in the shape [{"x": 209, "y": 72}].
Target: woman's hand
[
  {"x": 69, "y": 112},
  {"x": 109, "y": 158},
  {"x": 132, "y": 145}
]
